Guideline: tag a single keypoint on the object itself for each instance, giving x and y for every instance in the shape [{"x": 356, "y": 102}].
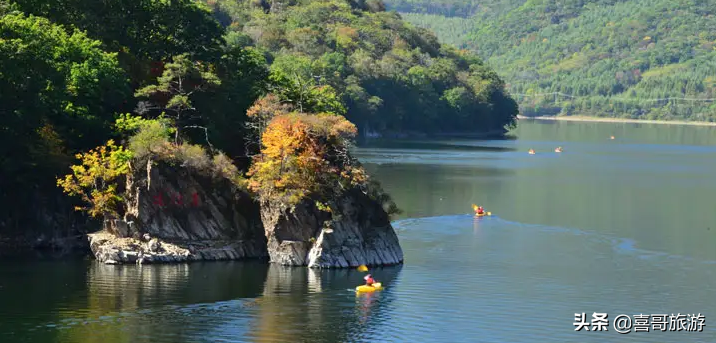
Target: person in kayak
[
  {"x": 369, "y": 281},
  {"x": 480, "y": 210}
]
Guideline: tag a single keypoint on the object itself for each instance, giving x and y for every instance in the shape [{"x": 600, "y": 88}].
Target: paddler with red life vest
[{"x": 369, "y": 281}]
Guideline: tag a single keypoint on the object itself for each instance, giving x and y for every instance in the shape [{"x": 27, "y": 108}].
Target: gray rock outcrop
[
  {"x": 358, "y": 233},
  {"x": 174, "y": 214},
  {"x": 177, "y": 215}
]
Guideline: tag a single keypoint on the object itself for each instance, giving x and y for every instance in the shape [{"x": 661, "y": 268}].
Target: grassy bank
[{"x": 617, "y": 120}]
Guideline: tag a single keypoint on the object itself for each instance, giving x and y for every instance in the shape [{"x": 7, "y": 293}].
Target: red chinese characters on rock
[{"x": 175, "y": 200}]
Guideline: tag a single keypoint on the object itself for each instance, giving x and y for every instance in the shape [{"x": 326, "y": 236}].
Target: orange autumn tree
[
  {"x": 305, "y": 155},
  {"x": 260, "y": 114}
]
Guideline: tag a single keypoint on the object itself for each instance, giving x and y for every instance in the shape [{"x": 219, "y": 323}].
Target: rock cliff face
[
  {"x": 359, "y": 233},
  {"x": 174, "y": 214}
]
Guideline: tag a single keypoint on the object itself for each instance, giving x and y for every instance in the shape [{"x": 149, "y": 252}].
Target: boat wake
[{"x": 619, "y": 245}]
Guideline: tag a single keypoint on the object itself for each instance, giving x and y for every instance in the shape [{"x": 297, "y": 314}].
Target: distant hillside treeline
[
  {"x": 448, "y": 8},
  {"x": 615, "y": 56}
]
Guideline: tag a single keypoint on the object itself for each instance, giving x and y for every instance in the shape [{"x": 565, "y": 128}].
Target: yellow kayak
[
  {"x": 365, "y": 288},
  {"x": 475, "y": 207}
]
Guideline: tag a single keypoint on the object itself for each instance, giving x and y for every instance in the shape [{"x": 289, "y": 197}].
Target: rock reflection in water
[
  {"x": 203, "y": 302},
  {"x": 301, "y": 304},
  {"x": 133, "y": 303}
]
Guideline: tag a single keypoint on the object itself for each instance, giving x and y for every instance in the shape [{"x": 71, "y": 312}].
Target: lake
[{"x": 615, "y": 226}]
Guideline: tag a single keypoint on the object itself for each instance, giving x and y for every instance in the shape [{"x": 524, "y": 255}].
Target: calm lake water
[{"x": 623, "y": 226}]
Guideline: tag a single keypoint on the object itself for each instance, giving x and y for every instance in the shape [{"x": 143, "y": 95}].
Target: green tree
[
  {"x": 174, "y": 91},
  {"x": 139, "y": 30},
  {"x": 57, "y": 88},
  {"x": 244, "y": 78}
]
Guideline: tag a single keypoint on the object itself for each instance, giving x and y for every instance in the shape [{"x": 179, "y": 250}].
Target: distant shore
[{"x": 617, "y": 120}]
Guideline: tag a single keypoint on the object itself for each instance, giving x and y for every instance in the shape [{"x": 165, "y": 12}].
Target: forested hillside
[
  {"x": 76, "y": 73},
  {"x": 650, "y": 59},
  {"x": 391, "y": 75}
]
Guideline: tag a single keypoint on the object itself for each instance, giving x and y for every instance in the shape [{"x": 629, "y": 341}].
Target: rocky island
[
  {"x": 226, "y": 224},
  {"x": 307, "y": 201}
]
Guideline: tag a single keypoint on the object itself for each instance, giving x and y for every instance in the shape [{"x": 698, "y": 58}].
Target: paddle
[{"x": 362, "y": 268}]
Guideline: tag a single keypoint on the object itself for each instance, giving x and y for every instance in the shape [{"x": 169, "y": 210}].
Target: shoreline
[
  {"x": 422, "y": 135},
  {"x": 616, "y": 120}
]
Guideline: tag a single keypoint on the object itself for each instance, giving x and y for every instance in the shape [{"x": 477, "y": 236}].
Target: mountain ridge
[{"x": 614, "y": 58}]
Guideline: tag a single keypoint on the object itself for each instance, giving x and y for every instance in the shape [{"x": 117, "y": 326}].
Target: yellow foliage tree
[
  {"x": 95, "y": 179},
  {"x": 304, "y": 155},
  {"x": 261, "y": 113}
]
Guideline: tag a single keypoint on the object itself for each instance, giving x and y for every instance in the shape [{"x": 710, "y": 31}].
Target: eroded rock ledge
[
  {"x": 360, "y": 233},
  {"x": 176, "y": 215},
  {"x": 111, "y": 249}
]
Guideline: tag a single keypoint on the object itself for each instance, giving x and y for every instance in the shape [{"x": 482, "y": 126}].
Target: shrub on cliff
[
  {"x": 306, "y": 156},
  {"x": 99, "y": 177},
  {"x": 95, "y": 179},
  {"x": 151, "y": 139}
]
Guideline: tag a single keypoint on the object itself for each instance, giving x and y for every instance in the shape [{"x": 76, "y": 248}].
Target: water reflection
[
  {"x": 144, "y": 303},
  {"x": 131, "y": 287},
  {"x": 300, "y": 304},
  {"x": 476, "y": 225},
  {"x": 198, "y": 302},
  {"x": 623, "y": 132},
  {"x": 430, "y": 145},
  {"x": 364, "y": 304},
  {"x": 424, "y": 190},
  {"x": 31, "y": 294}
]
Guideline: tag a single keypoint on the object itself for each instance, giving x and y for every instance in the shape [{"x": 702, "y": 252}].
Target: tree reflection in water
[{"x": 301, "y": 304}]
